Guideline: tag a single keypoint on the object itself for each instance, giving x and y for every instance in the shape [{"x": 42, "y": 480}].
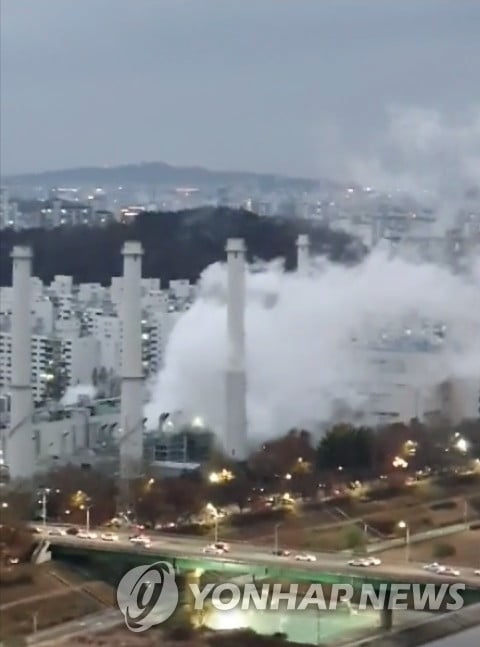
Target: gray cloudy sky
[{"x": 230, "y": 84}]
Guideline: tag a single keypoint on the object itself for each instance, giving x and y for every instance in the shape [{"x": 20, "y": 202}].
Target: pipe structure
[
  {"x": 303, "y": 254},
  {"x": 131, "y": 400},
  {"x": 236, "y": 384},
  {"x": 19, "y": 445}
]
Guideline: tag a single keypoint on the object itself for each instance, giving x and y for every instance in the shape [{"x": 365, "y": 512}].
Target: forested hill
[{"x": 177, "y": 244}]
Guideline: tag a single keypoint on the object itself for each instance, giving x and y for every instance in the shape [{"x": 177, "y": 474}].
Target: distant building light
[{"x": 462, "y": 445}]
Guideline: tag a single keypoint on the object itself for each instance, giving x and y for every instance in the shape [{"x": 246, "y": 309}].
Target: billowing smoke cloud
[
  {"x": 305, "y": 337},
  {"x": 424, "y": 153},
  {"x": 73, "y": 393}
]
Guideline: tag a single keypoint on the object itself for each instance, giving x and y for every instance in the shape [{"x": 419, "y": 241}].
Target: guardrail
[{"x": 417, "y": 538}]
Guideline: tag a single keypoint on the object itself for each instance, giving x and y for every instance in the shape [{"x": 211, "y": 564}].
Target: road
[
  {"x": 94, "y": 623},
  {"x": 248, "y": 554}
]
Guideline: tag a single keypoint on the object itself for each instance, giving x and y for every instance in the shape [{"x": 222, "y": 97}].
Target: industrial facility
[{"x": 109, "y": 429}]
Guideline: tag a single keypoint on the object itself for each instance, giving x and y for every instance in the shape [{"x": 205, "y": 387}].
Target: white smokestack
[
  {"x": 303, "y": 254},
  {"x": 19, "y": 441},
  {"x": 236, "y": 386},
  {"x": 131, "y": 406}
]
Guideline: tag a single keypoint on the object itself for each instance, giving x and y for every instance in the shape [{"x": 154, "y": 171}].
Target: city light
[
  {"x": 462, "y": 445},
  {"x": 224, "y": 476},
  {"x": 410, "y": 447},
  {"x": 211, "y": 510},
  {"x": 197, "y": 422},
  {"x": 399, "y": 462}
]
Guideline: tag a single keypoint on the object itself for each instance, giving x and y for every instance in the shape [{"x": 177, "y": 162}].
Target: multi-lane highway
[{"x": 251, "y": 555}]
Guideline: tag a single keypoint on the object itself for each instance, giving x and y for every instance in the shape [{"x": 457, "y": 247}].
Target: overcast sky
[{"x": 267, "y": 85}]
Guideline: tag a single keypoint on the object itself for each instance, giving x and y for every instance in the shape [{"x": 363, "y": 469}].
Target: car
[
  {"x": 358, "y": 562},
  {"x": 87, "y": 535},
  {"x": 13, "y": 560},
  {"x": 448, "y": 570},
  {"x": 433, "y": 567},
  {"x": 212, "y": 549},
  {"x": 72, "y": 531},
  {"x": 305, "y": 557},
  {"x": 281, "y": 552},
  {"x": 477, "y": 572},
  {"x": 57, "y": 532},
  {"x": 143, "y": 540},
  {"x": 373, "y": 561},
  {"x": 222, "y": 546},
  {"x": 35, "y": 530},
  {"x": 109, "y": 536}
]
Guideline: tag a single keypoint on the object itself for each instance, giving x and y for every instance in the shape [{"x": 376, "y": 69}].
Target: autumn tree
[
  {"x": 280, "y": 457},
  {"x": 70, "y": 490},
  {"x": 168, "y": 498},
  {"x": 236, "y": 490},
  {"x": 15, "y": 511},
  {"x": 348, "y": 448}
]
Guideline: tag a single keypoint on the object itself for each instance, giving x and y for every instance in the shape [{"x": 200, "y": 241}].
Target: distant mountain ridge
[{"x": 158, "y": 173}]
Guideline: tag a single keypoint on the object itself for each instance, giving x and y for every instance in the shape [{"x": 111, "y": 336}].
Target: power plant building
[{"x": 120, "y": 335}]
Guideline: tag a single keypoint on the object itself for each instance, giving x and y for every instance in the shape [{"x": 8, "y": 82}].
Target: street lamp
[
  {"x": 216, "y": 528},
  {"x": 404, "y": 526},
  {"x": 275, "y": 547},
  {"x": 86, "y": 506},
  {"x": 44, "y": 492}
]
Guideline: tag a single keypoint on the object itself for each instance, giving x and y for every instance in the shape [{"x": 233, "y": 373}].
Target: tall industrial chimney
[
  {"x": 236, "y": 384},
  {"x": 131, "y": 403},
  {"x": 303, "y": 254},
  {"x": 19, "y": 446}
]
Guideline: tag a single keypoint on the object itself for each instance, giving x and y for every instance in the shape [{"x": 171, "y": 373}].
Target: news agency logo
[{"x": 148, "y": 596}]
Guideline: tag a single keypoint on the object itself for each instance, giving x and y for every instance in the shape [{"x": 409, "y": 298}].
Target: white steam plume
[
  {"x": 300, "y": 355},
  {"x": 424, "y": 153}
]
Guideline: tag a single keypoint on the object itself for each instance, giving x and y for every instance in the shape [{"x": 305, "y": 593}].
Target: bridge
[{"x": 187, "y": 557}]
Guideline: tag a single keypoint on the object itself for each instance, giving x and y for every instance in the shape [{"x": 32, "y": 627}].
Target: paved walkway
[{"x": 88, "y": 624}]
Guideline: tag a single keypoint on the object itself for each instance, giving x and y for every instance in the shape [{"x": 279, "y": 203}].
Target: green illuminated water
[{"x": 305, "y": 627}]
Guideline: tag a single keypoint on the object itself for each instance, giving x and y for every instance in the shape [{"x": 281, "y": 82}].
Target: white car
[
  {"x": 373, "y": 561},
  {"x": 433, "y": 567},
  {"x": 448, "y": 570},
  {"x": 57, "y": 532},
  {"x": 305, "y": 557},
  {"x": 477, "y": 572},
  {"x": 357, "y": 562},
  {"x": 86, "y": 535},
  {"x": 213, "y": 550},
  {"x": 109, "y": 536},
  {"x": 141, "y": 539}
]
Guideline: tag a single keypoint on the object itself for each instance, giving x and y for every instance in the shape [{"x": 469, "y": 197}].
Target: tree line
[
  {"x": 293, "y": 463},
  {"x": 176, "y": 244}
]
